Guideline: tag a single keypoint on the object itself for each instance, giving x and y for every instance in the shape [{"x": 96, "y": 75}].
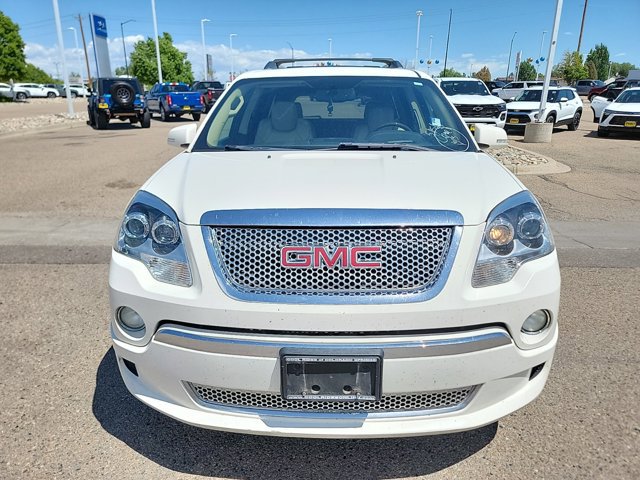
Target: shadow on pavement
[{"x": 188, "y": 449}]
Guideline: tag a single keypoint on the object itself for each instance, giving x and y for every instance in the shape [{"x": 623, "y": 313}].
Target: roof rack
[{"x": 388, "y": 62}]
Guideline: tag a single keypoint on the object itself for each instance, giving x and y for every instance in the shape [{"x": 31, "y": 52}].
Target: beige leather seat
[
  {"x": 283, "y": 127},
  {"x": 375, "y": 115}
]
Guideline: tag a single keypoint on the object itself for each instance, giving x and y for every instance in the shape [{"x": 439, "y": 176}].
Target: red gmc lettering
[{"x": 319, "y": 256}]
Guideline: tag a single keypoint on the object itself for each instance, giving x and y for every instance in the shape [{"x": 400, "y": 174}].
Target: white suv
[
  {"x": 332, "y": 255},
  {"x": 37, "y": 90},
  {"x": 512, "y": 90},
  {"x": 563, "y": 107},
  {"x": 473, "y": 100}
]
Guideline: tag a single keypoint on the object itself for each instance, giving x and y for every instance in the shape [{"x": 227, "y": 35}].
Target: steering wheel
[{"x": 404, "y": 127}]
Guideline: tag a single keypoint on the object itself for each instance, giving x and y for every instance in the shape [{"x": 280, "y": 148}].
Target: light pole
[
  {"x": 330, "y": 47},
  {"x": 429, "y": 59},
  {"x": 56, "y": 16},
  {"x": 124, "y": 48},
  {"x": 470, "y": 70},
  {"x": 419, "y": 14},
  {"x": 291, "y": 47},
  {"x": 552, "y": 52},
  {"x": 155, "y": 31},
  {"x": 204, "y": 49},
  {"x": 509, "y": 61},
  {"x": 540, "y": 53},
  {"x": 231, "y": 35},
  {"x": 75, "y": 37}
]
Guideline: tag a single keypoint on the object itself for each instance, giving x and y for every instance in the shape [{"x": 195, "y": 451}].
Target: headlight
[
  {"x": 502, "y": 107},
  {"x": 614, "y": 112},
  {"x": 516, "y": 232},
  {"x": 150, "y": 233}
]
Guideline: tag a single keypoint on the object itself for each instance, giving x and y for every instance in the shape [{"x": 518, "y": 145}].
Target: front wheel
[
  {"x": 21, "y": 96},
  {"x": 573, "y": 126},
  {"x": 551, "y": 119},
  {"x": 196, "y": 116},
  {"x": 51, "y": 95},
  {"x": 102, "y": 121},
  {"x": 145, "y": 119},
  {"x": 91, "y": 121},
  {"x": 164, "y": 116}
]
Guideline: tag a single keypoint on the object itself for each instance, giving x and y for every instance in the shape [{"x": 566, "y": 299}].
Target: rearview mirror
[
  {"x": 182, "y": 136},
  {"x": 490, "y": 136}
]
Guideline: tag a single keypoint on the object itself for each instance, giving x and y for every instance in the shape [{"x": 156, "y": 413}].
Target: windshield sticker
[
  {"x": 435, "y": 122},
  {"x": 449, "y": 138},
  {"x": 418, "y": 84}
]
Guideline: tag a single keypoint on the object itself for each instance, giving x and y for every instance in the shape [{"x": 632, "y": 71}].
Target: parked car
[
  {"x": 37, "y": 90},
  {"x": 600, "y": 90},
  {"x": 583, "y": 87},
  {"x": 331, "y": 254},
  {"x": 14, "y": 92},
  {"x": 493, "y": 84},
  {"x": 120, "y": 98},
  {"x": 76, "y": 90},
  {"x": 512, "y": 90},
  {"x": 174, "y": 99},
  {"x": 563, "y": 107},
  {"x": 621, "y": 114},
  {"x": 474, "y": 102},
  {"x": 210, "y": 91}
]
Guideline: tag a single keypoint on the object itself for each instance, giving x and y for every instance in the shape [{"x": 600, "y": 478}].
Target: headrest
[
  {"x": 378, "y": 114},
  {"x": 284, "y": 116}
]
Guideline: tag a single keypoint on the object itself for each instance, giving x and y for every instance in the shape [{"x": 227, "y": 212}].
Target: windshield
[
  {"x": 175, "y": 88},
  {"x": 452, "y": 87},
  {"x": 350, "y": 112},
  {"x": 629, "y": 96},
  {"x": 209, "y": 85},
  {"x": 536, "y": 95}
]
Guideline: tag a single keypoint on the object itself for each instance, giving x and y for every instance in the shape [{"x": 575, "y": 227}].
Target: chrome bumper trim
[{"x": 268, "y": 346}]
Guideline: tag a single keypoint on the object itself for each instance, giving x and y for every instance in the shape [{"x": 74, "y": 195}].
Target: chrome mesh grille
[
  {"x": 411, "y": 260},
  {"x": 388, "y": 403}
]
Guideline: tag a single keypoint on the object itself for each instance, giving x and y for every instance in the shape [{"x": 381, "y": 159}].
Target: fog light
[
  {"x": 130, "y": 321},
  {"x": 536, "y": 322}
]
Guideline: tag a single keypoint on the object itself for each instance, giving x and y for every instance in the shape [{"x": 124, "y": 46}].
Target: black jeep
[{"x": 121, "y": 98}]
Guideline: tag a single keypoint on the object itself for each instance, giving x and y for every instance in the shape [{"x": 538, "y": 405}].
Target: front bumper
[
  {"x": 620, "y": 123},
  {"x": 497, "y": 121},
  {"x": 464, "y": 337}
]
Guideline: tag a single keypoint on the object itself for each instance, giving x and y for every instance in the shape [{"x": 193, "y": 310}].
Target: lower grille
[
  {"x": 621, "y": 119},
  {"x": 449, "y": 399},
  {"x": 521, "y": 119}
]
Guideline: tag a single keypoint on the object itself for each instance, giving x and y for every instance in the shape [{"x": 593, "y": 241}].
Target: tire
[
  {"x": 21, "y": 96},
  {"x": 51, "y": 95},
  {"x": 164, "y": 116},
  {"x": 145, "y": 120},
  {"x": 595, "y": 119},
  {"x": 573, "y": 126},
  {"x": 102, "y": 121},
  {"x": 122, "y": 93},
  {"x": 74, "y": 94},
  {"x": 602, "y": 133},
  {"x": 196, "y": 116},
  {"x": 551, "y": 118},
  {"x": 91, "y": 120}
]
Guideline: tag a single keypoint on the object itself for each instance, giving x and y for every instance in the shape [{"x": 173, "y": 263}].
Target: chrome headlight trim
[{"x": 497, "y": 265}]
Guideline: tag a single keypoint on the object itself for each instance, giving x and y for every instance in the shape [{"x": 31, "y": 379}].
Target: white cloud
[
  {"x": 467, "y": 55},
  {"x": 568, "y": 33},
  {"x": 621, "y": 54}
]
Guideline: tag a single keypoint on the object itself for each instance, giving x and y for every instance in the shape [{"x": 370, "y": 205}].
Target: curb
[
  {"x": 31, "y": 131},
  {"x": 550, "y": 167}
]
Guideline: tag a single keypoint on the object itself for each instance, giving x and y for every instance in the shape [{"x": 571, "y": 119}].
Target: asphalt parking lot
[{"x": 65, "y": 413}]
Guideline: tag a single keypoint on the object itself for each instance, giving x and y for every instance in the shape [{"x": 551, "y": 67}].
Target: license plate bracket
[{"x": 331, "y": 375}]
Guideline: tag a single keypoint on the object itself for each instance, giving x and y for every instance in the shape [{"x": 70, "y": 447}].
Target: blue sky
[{"x": 481, "y": 30}]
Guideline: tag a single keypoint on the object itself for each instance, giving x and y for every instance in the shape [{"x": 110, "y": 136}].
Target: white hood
[
  {"x": 624, "y": 107},
  {"x": 475, "y": 100},
  {"x": 525, "y": 105},
  {"x": 469, "y": 183}
]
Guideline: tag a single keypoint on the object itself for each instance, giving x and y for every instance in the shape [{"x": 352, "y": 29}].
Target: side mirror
[
  {"x": 489, "y": 136},
  {"x": 511, "y": 99},
  {"x": 182, "y": 136},
  {"x": 564, "y": 99}
]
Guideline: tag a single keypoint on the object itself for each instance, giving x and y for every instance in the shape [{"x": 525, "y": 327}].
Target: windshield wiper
[
  {"x": 383, "y": 146},
  {"x": 245, "y": 148}
]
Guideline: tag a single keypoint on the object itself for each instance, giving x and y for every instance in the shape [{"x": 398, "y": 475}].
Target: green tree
[
  {"x": 621, "y": 69},
  {"x": 599, "y": 56},
  {"x": 593, "y": 71},
  {"x": 35, "y": 75},
  {"x": 483, "y": 74},
  {"x": 572, "y": 67},
  {"x": 12, "y": 59},
  {"x": 175, "y": 66},
  {"x": 120, "y": 71},
  {"x": 526, "y": 71},
  {"x": 450, "y": 72}
]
